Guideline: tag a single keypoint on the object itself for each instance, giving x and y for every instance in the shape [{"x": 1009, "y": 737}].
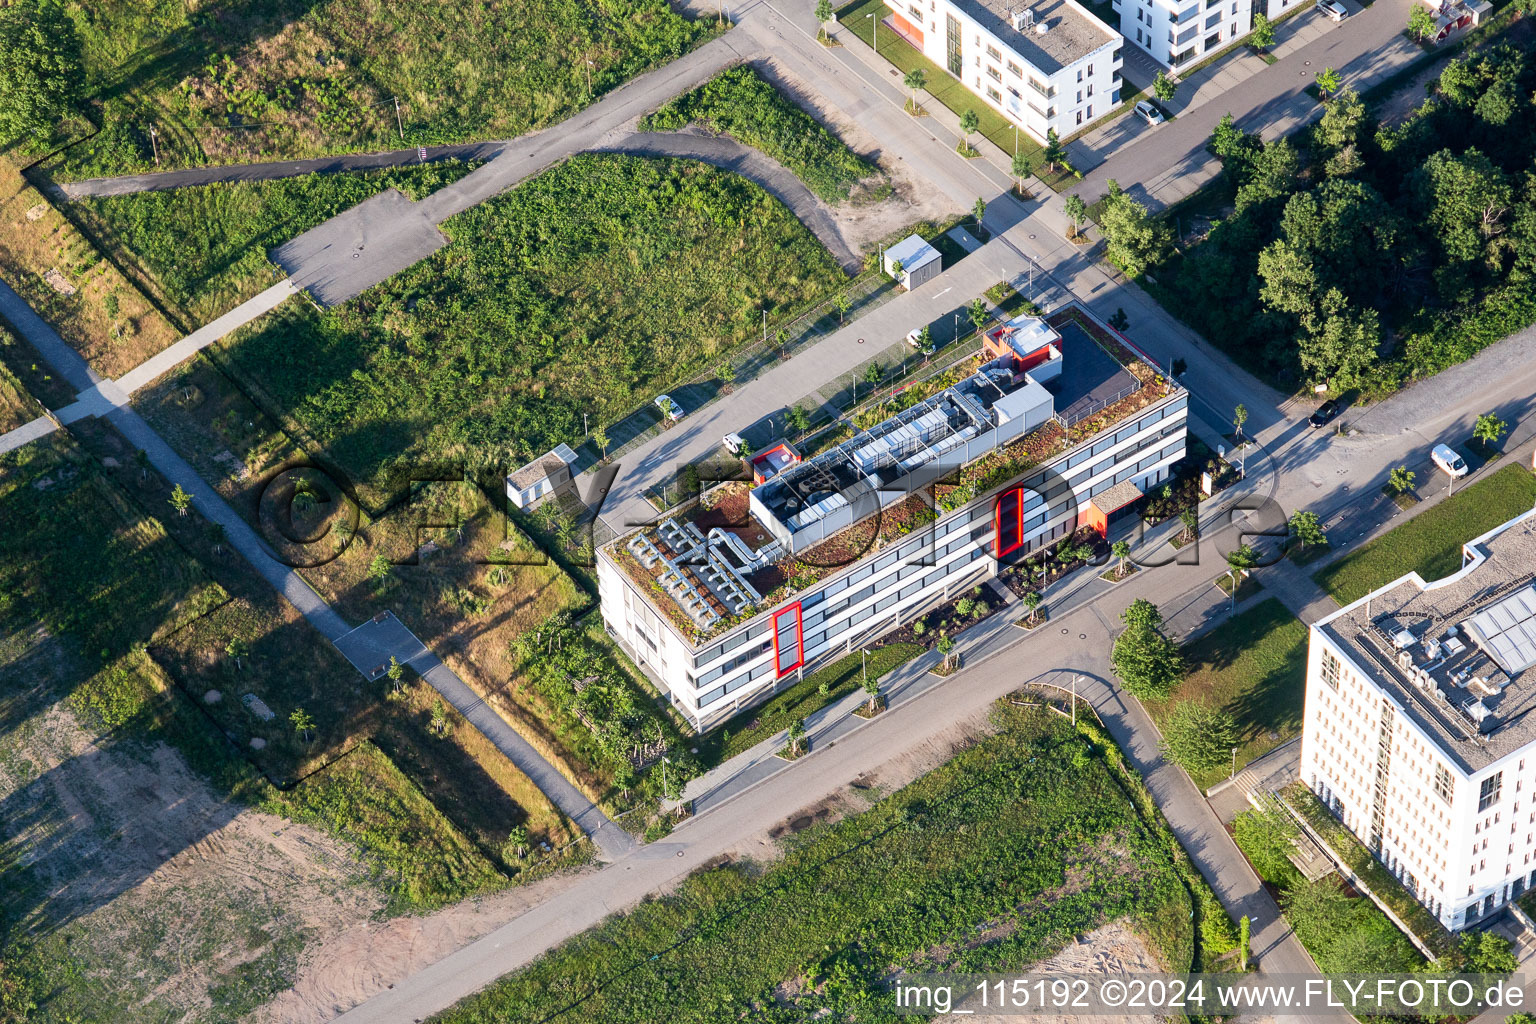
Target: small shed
[
  {"x": 1110, "y": 505},
  {"x": 544, "y": 475},
  {"x": 920, "y": 262}
]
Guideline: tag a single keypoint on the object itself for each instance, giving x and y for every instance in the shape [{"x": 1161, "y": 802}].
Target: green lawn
[
  {"x": 998, "y": 858},
  {"x": 741, "y": 103},
  {"x": 944, "y": 87},
  {"x": 235, "y": 80},
  {"x": 841, "y": 678},
  {"x": 1430, "y": 543},
  {"x": 585, "y": 290},
  {"x": 1254, "y": 666},
  {"x": 203, "y": 250}
]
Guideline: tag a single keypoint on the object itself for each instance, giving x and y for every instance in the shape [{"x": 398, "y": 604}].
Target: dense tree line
[{"x": 1362, "y": 255}]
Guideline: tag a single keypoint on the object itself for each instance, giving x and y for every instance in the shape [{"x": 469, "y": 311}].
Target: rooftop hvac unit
[
  {"x": 1023, "y": 20},
  {"x": 1404, "y": 659}
]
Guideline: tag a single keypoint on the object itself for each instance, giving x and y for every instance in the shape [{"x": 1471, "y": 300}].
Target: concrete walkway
[
  {"x": 107, "y": 398},
  {"x": 159, "y": 181}
]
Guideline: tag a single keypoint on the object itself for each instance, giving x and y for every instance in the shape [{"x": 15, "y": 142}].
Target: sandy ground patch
[
  {"x": 1110, "y": 950},
  {"x": 366, "y": 957}
]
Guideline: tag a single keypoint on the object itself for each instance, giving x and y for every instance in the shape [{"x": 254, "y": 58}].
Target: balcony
[{"x": 1048, "y": 93}]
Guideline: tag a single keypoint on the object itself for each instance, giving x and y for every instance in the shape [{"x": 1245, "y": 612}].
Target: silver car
[
  {"x": 1333, "y": 9},
  {"x": 1148, "y": 112}
]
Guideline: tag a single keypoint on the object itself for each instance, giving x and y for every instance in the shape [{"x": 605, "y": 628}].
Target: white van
[
  {"x": 1449, "y": 462},
  {"x": 733, "y": 443}
]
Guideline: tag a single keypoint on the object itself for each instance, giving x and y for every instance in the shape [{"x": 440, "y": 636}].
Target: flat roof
[
  {"x": 1453, "y": 651},
  {"x": 552, "y": 461},
  {"x": 716, "y": 561},
  {"x": 913, "y": 252},
  {"x": 1071, "y": 33}
]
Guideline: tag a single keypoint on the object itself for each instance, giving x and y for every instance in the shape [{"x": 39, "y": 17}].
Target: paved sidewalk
[{"x": 107, "y": 399}]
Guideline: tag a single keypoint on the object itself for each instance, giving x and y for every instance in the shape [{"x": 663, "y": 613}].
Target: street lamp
[
  {"x": 864, "y": 665},
  {"x": 589, "y": 79},
  {"x": 154, "y": 142},
  {"x": 874, "y": 32},
  {"x": 1234, "y": 764}
]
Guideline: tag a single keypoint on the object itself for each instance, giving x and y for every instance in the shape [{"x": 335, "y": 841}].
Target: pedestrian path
[{"x": 107, "y": 399}]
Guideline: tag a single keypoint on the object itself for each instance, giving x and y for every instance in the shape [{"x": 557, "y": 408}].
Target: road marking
[{"x": 949, "y": 289}]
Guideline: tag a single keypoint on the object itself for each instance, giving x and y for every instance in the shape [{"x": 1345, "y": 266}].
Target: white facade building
[
  {"x": 1418, "y": 730},
  {"x": 723, "y": 614},
  {"x": 1181, "y": 33},
  {"x": 1042, "y": 65}
]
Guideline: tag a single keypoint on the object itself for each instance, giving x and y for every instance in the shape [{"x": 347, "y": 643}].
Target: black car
[{"x": 1325, "y": 413}]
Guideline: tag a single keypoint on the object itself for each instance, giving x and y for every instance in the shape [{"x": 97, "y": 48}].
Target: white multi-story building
[
  {"x": 1418, "y": 729},
  {"x": 740, "y": 593},
  {"x": 1180, "y": 33},
  {"x": 1042, "y": 65}
]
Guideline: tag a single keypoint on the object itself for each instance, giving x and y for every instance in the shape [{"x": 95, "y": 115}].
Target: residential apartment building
[
  {"x": 739, "y": 594},
  {"x": 1042, "y": 65},
  {"x": 1418, "y": 730},
  {"x": 1181, "y": 33}
]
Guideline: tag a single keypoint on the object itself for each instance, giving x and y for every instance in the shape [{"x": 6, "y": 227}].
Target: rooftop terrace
[
  {"x": 1459, "y": 654},
  {"x": 1071, "y": 33},
  {"x": 720, "y": 558}
]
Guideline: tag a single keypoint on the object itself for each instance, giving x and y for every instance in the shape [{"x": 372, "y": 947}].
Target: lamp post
[
  {"x": 864, "y": 665},
  {"x": 1234, "y": 764},
  {"x": 874, "y": 32},
  {"x": 154, "y": 142},
  {"x": 589, "y": 79}
]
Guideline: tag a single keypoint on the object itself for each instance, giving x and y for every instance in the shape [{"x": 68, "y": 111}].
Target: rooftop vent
[{"x": 1042, "y": 28}]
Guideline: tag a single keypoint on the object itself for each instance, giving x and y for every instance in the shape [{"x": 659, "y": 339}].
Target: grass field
[
  {"x": 993, "y": 861},
  {"x": 17, "y": 406},
  {"x": 585, "y": 290},
  {"x": 1255, "y": 668},
  {"x": 106, "y": 319},
  {"x": 840, "y": 678},
  {"x": 236, "y": 80},
  {"x": 739, "y": 102},
  {"x": 1430, "y": 543},
  {"x": 203, "y": 250}
]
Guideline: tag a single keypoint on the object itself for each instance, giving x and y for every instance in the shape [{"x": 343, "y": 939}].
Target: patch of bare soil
[
  {"x": 1110, "y": 950},
  {"x": 863, "y": 220},
  {"x": 366, "y": 957},
  {"x": 165, "y": 887}
]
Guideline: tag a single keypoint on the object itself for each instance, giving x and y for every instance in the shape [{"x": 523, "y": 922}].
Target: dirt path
[{"x": 365, "y": 957}]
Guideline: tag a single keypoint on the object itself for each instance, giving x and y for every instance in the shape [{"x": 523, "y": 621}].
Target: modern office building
[
  {"x": 741, "y": 592},
  {"x": 1418, "y": 730},
  {"x": 1042, "y": 65},
  {"x": 1181, "y": 33}
]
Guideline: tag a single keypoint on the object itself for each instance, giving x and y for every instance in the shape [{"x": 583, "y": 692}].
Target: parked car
[
  {"x": 1450, "y": 463},
  {"x": 669, "y": 409},
  {"x": 1325, "y": 413},
  {"x": 733, "y": 443},
  {"x": 1148, "y": 112},
  {"x": 1334, "y": 10}
]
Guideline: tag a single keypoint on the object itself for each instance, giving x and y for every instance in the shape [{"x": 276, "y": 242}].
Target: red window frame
[
  {"x": 781, "y": 669},
  {"x": 1017, "y": 515}
]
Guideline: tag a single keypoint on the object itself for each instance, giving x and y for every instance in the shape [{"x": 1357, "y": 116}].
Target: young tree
[
  {"x": 925, "y": 340},
  {"x": 378, "y": 569},
  {"x": 1055, "y": 153},
  {"x": 180, "y": 500},
  {"x": 1228, "y": 140},
  {"x": 1121, "y": 549},
  {"x": 799, "y": 418},
  {"x": 1031, "y": 601},
  {"x": 1191, "y": 520},
  {"x": 303, "y": 724},
  {"x": 1076, "y": 211},
  {"x": 517, "y": 838},
  {"x": 1263, "y": 35},
  {"x": 1241, "y": 559},
  {"x": 600, "y": 436},
  {"x": 1120, "y": 321},
  {"x": 1307, "y": 528},
  {"x": 1145, "y": 660},
  {"x": 1020, "y": 171},
  {"x": 236, "y": 649},
  {"x": 1327, "y": 82},
  {"x": 844, "y": 302},
  {"x": 141, "y": 460},
  {"x": 216, "y": 537},
  {"x": 969, "y": 123},
  {"x": 977, "y": 312},
  {"x": 1400, "y": 480},
  {"x": 1488, "y": 429},
  {"x": 796, "y": 735},
  {"x": 874, "y": 373},
  {"x": 824, "y": 14},
  {"x": 915, "y": 79},
  {"x": 872, "y": 689},
  {"x": 896, "y": 269},
  {"x": 396, "y": 674},
  {"x": 1239, "y": 417},
  {"x": 40, "y": 72},
  {"x": 439, "y": 717},
  {"x": 979, "y": 211},
  {"x": 1199, "y": 738},
  {"x": 1164, "y": 87},
  {"x": 1420, "y": 22},
  {"x": 946, "y": 647}
]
